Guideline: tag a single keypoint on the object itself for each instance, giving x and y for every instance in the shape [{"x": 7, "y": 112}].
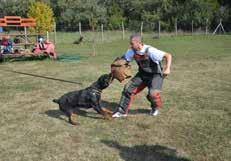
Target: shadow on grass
[
  {"x": 145, "y": 152},
  {"x": 59, "y": 114},
  {"x": 82, "y": 112},
  {"x": 112, "y": 106},
  {"x": 55, "y": 114}
]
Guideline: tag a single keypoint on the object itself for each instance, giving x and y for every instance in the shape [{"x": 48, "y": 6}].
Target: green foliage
[
  {"x": 14, "y": 8},
  {"x": 197, "y": 11},
  {"x": 44, "y": 16},
  {"x": 111, "y": 13},
  {"x": 167, "y": 11},
  {"x": 115, "y": 16},
  {"x": 70, "y": 13},
  {"x": 224, "y": 13}
]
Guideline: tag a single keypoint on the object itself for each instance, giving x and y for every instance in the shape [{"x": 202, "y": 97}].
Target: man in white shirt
[{"x": 150, "y": 74}]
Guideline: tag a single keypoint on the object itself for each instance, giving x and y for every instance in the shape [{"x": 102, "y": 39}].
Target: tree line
[{"x": 111, "y": 13}]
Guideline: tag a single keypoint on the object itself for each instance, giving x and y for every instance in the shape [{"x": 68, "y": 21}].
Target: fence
[
  {"x": 156, "y": 30},
  {"x": 102, "y": 33}
]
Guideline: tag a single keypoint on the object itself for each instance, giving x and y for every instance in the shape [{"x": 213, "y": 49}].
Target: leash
[{"x": 40, "y": 76}]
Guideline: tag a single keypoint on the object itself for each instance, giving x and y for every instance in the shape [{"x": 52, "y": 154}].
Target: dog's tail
[{"x": 56, "y": 101}]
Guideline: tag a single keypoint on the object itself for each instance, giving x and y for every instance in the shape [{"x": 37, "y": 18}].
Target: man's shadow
[{"x": 145, "y": 152}]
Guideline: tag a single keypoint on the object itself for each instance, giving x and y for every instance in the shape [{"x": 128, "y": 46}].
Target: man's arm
[
  {"x": 168, "y": 62},
  {"x": 128, "y": 56},
  {"x": 158, "y": 55}
]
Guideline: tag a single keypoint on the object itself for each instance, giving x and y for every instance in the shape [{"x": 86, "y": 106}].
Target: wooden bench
[{"x": 25, "y": 45}]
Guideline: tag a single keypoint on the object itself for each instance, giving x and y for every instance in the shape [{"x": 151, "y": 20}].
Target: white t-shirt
[{"x": 155, "y": 54}]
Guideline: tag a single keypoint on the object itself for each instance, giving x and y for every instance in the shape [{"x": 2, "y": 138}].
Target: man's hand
[{"x": 166, "y": 72}]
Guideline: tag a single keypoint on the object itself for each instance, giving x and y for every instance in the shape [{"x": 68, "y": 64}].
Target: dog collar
[{"x": 97, "y": 90}]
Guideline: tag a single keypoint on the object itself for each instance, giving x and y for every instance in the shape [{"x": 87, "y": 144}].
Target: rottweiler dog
[{"x": 89, "y": 97}]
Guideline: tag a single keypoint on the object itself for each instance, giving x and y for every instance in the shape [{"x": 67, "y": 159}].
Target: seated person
[
  {"x": 46, "y": 47},
  {"x": 6, "y": 45}
]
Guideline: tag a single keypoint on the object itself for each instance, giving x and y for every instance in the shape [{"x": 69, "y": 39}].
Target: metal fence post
[
  {"x": 80, "y": 29},
  {"x": 123, "y": 30},
  {"x": 159, "y": 29},
  {"x": 102, "y": 32},
  {"x": 141, "y": 28},
  {"x": 176, "y": 27}
]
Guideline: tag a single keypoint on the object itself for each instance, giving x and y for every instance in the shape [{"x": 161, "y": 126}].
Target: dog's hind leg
[
  {"x": 72, "y": 118},
  {"x": 68, "y": 110}
]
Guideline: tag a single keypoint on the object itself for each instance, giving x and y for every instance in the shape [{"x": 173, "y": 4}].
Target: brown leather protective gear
[{"x": 120, "y": 69}]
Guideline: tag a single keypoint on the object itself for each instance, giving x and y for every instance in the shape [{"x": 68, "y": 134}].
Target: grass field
[{"x": 194, "y": 123}]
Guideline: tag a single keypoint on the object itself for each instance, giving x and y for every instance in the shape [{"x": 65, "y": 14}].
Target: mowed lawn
[{"x": 194, "y": 123}]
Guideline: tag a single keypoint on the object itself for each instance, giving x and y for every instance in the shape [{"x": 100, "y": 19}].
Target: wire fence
[{"x": 103, "y": 33}]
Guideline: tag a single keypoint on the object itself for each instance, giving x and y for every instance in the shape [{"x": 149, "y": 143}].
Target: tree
[
  {"x": 115, "y": 15},
  {"x": 196, "y": 10},
  {"x": 224, "y": 13},
  {"x": 14, "y": 8},
  {"x": 95, "y": 13},
  {"x": 70, "y": 13},
  {"x": 43, "y": 15}
]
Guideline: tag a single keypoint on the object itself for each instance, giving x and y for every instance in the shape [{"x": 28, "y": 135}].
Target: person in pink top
[{"x": 45, "y": 46}]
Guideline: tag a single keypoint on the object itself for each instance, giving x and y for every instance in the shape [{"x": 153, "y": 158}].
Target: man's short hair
[{"x": 137, "y": 37}]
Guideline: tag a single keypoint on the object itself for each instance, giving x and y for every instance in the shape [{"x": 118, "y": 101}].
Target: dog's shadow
[
  {"x": 109, "y": 105},
  {"x": 113, "y": 106},
  {"x": 56, "y": 113}
]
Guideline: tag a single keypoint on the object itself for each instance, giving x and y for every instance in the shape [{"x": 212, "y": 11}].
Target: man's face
[{"x": 135, "y": 44}]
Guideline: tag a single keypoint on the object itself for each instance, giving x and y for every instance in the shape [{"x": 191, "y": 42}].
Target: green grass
[{"x": 193, "y": 125}]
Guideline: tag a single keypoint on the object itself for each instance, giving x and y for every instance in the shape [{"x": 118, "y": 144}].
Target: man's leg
[
  {"x": 134, "y": 86},
  {"x": 154, "y": 93}
]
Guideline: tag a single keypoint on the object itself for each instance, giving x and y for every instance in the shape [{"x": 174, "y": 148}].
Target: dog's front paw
[
  {"x": 107, "y": 114},
  {"x": 107, "y": 111}
]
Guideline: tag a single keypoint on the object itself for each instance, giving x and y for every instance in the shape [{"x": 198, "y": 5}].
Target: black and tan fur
[{"x": 89, "y": 97}]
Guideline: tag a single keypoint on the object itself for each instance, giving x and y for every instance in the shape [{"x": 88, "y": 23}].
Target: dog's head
[{"x": 104, "y": 81}]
